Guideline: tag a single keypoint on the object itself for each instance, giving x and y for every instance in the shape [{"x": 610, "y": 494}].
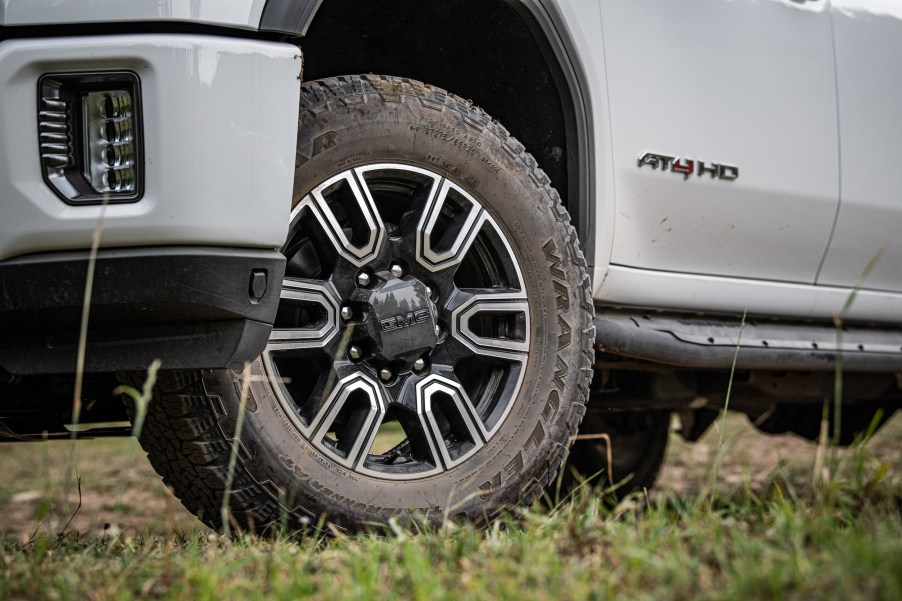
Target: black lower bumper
[{"x": 190, "y": 307}]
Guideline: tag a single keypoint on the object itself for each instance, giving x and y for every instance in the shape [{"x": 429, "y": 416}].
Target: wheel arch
[{"x": 491, "y": 51}]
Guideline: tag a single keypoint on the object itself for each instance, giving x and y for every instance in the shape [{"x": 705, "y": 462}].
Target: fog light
[
  {"x": 119, "y": 180},
  {"x": 90, "y": 134},
  {"x": 118, "y": 155},
  {"x": 109, "y": 141},
  {"x": 117, "y": 105}
]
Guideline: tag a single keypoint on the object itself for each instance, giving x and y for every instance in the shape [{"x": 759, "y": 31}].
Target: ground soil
[{"x": 113, "y": 490}]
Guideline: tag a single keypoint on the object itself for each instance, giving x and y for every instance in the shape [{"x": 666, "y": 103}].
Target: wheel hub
[{"x": 400, "y": 320}]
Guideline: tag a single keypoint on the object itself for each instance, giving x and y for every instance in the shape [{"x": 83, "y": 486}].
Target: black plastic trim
[
  {"x": 291, "y": 17},
  {"x": 552, "y": 26},
  {"x": 191, "y": 307},
  {"x": 705, "y": 342}
]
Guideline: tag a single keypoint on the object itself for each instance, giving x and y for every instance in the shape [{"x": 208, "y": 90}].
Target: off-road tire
[
  {"x": 637, "y": 441},
  {"x": 279, "y": 476}
]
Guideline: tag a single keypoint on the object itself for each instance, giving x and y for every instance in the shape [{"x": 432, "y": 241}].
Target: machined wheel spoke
[
  {"x": 347, "y": 423},
  {"x": 466, "y": 296},
  {"x": 449, "y": 419},
  {"x": 494, "y": 325},
  {"x": 449, "y": 224},
  {"x": 345, "y": 209},
  {"x": 311, "y": 309}
]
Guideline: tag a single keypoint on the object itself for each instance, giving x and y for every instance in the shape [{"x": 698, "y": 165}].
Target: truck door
[
  {"x": 724, "y": 135},
  {"x": 868, "y": 37}
]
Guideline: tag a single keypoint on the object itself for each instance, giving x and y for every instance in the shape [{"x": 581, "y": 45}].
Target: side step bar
[{"x": 705, "y": 342}]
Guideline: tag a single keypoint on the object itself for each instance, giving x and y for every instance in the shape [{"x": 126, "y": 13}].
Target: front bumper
[
  {"x": 219, "y": 133},
  {"x": 191, "y": 307}
]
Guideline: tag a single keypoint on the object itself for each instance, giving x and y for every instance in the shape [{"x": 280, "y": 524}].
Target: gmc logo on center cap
[{"x": 403, "y": 321}]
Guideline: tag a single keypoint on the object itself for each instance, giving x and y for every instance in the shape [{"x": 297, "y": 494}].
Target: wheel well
[{"x": 492, "y": 52}]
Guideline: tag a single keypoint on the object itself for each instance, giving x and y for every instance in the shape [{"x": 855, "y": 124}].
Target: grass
[
  {"x": 774, "y": 535},
  {"x": 746, "y": 548}
]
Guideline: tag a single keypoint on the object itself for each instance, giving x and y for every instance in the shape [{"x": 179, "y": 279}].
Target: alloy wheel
[{"x": 403, "y": 310}]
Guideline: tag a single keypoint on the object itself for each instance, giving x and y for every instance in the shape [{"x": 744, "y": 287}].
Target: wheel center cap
[{"x": 401, "y": 321}]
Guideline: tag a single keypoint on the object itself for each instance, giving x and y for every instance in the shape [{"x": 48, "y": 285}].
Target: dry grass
[{"x": 120, "y": 493}]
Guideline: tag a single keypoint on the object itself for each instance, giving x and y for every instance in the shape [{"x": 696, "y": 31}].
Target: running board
[{"x": 704, "y": 342}]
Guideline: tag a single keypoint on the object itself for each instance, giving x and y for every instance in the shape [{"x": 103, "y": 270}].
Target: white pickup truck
[{"x": 409, "y": 307}]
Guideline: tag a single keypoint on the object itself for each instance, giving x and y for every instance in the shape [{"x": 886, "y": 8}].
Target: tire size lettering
[
  {"x": 457, "y": 137},
  {"x": 436, "y": 128},
  {"x": 330, "y": 465},
  {"x": 441, "y": 162},
  {"x": 351, "y": 161}
]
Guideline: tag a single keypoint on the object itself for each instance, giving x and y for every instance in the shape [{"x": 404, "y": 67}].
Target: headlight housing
[{"x": 89, "y": 128}]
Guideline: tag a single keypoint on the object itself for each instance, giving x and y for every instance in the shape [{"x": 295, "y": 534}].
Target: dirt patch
[
  {"x": 120, "y": 492},
  {"x": 751, "y": 459}
]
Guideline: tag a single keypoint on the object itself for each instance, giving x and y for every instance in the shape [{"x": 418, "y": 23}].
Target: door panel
[
  {"x": 869, "y": 75},
  {"x": 748, "y": 83}
]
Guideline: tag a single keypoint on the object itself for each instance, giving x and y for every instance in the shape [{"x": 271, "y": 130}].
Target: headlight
[{"x": 90, "y": 136}]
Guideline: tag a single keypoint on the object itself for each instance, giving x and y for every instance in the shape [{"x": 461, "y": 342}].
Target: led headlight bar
[{"x": 90, "y": 136}]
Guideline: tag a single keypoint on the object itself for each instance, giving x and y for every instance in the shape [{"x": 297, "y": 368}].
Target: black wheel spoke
[
  {"x": 449, "y": 224},
  {"x": 347, "y": 422},
  {"x": 494, "y": 324},
  {"x": 309, "y": 314},
  {"x": 345, "y": 210},
  {"x": 449, "y": 419}
]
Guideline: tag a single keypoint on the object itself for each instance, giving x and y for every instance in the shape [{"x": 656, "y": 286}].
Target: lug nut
[
  {"x": 354, "y": 352},
  {"x": 385, "y": 374},
  {"x": 438, "y": 331},
  {"x": 363, "y": 279},
  {"x": 419, "y": 364},
  {"x": 396, "y": 270},
  {"x": 347, "y": 313},
  {"x": 428, "y": 291}
]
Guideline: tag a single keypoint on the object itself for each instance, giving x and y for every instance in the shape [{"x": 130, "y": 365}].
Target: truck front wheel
[{"x": 433, "y": 345}]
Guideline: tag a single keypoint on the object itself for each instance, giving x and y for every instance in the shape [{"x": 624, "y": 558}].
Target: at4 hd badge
[{"x": 688, "y": 167}]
